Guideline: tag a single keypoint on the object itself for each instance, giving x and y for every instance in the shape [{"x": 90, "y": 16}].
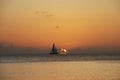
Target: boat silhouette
[{"x": 54, "y": 50}]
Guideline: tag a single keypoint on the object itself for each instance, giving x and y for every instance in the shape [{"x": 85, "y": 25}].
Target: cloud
[
  {"x": 10, "y": 49},
  {"x": 49, "y": 15},
  {"x": 44, "y": 13},
  {"x": 91, "y": 51}
]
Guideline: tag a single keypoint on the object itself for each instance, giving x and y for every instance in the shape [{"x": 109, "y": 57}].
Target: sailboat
[{"x": 54, "y": 50}]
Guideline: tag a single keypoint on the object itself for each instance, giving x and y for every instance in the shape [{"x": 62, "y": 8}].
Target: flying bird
[{"x": 57, "y": 26}]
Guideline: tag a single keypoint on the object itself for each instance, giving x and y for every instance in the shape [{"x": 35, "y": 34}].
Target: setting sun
[{"x": 63, "y": 51}]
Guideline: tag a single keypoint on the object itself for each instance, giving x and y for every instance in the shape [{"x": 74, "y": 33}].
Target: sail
[{"x": 54, "y": 50}]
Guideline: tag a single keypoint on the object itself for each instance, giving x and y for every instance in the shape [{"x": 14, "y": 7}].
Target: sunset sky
[{"x": 68, "y": 23}]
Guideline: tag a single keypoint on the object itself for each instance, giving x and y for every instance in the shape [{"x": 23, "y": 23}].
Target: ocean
[{"x": 60, "y": 67}]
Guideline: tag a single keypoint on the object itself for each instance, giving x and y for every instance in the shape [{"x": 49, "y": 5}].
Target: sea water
[{"x": 57, "y": 67}]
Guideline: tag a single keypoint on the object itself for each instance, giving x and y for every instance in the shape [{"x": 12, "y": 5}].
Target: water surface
[{"x": 82, "y": 70}]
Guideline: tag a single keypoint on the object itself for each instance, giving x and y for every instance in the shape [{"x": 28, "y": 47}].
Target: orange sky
[{"x": 68, "y": 23}]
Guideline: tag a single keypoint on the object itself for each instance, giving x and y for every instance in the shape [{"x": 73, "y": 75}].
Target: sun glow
[{"x": 63, "y": 51}]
